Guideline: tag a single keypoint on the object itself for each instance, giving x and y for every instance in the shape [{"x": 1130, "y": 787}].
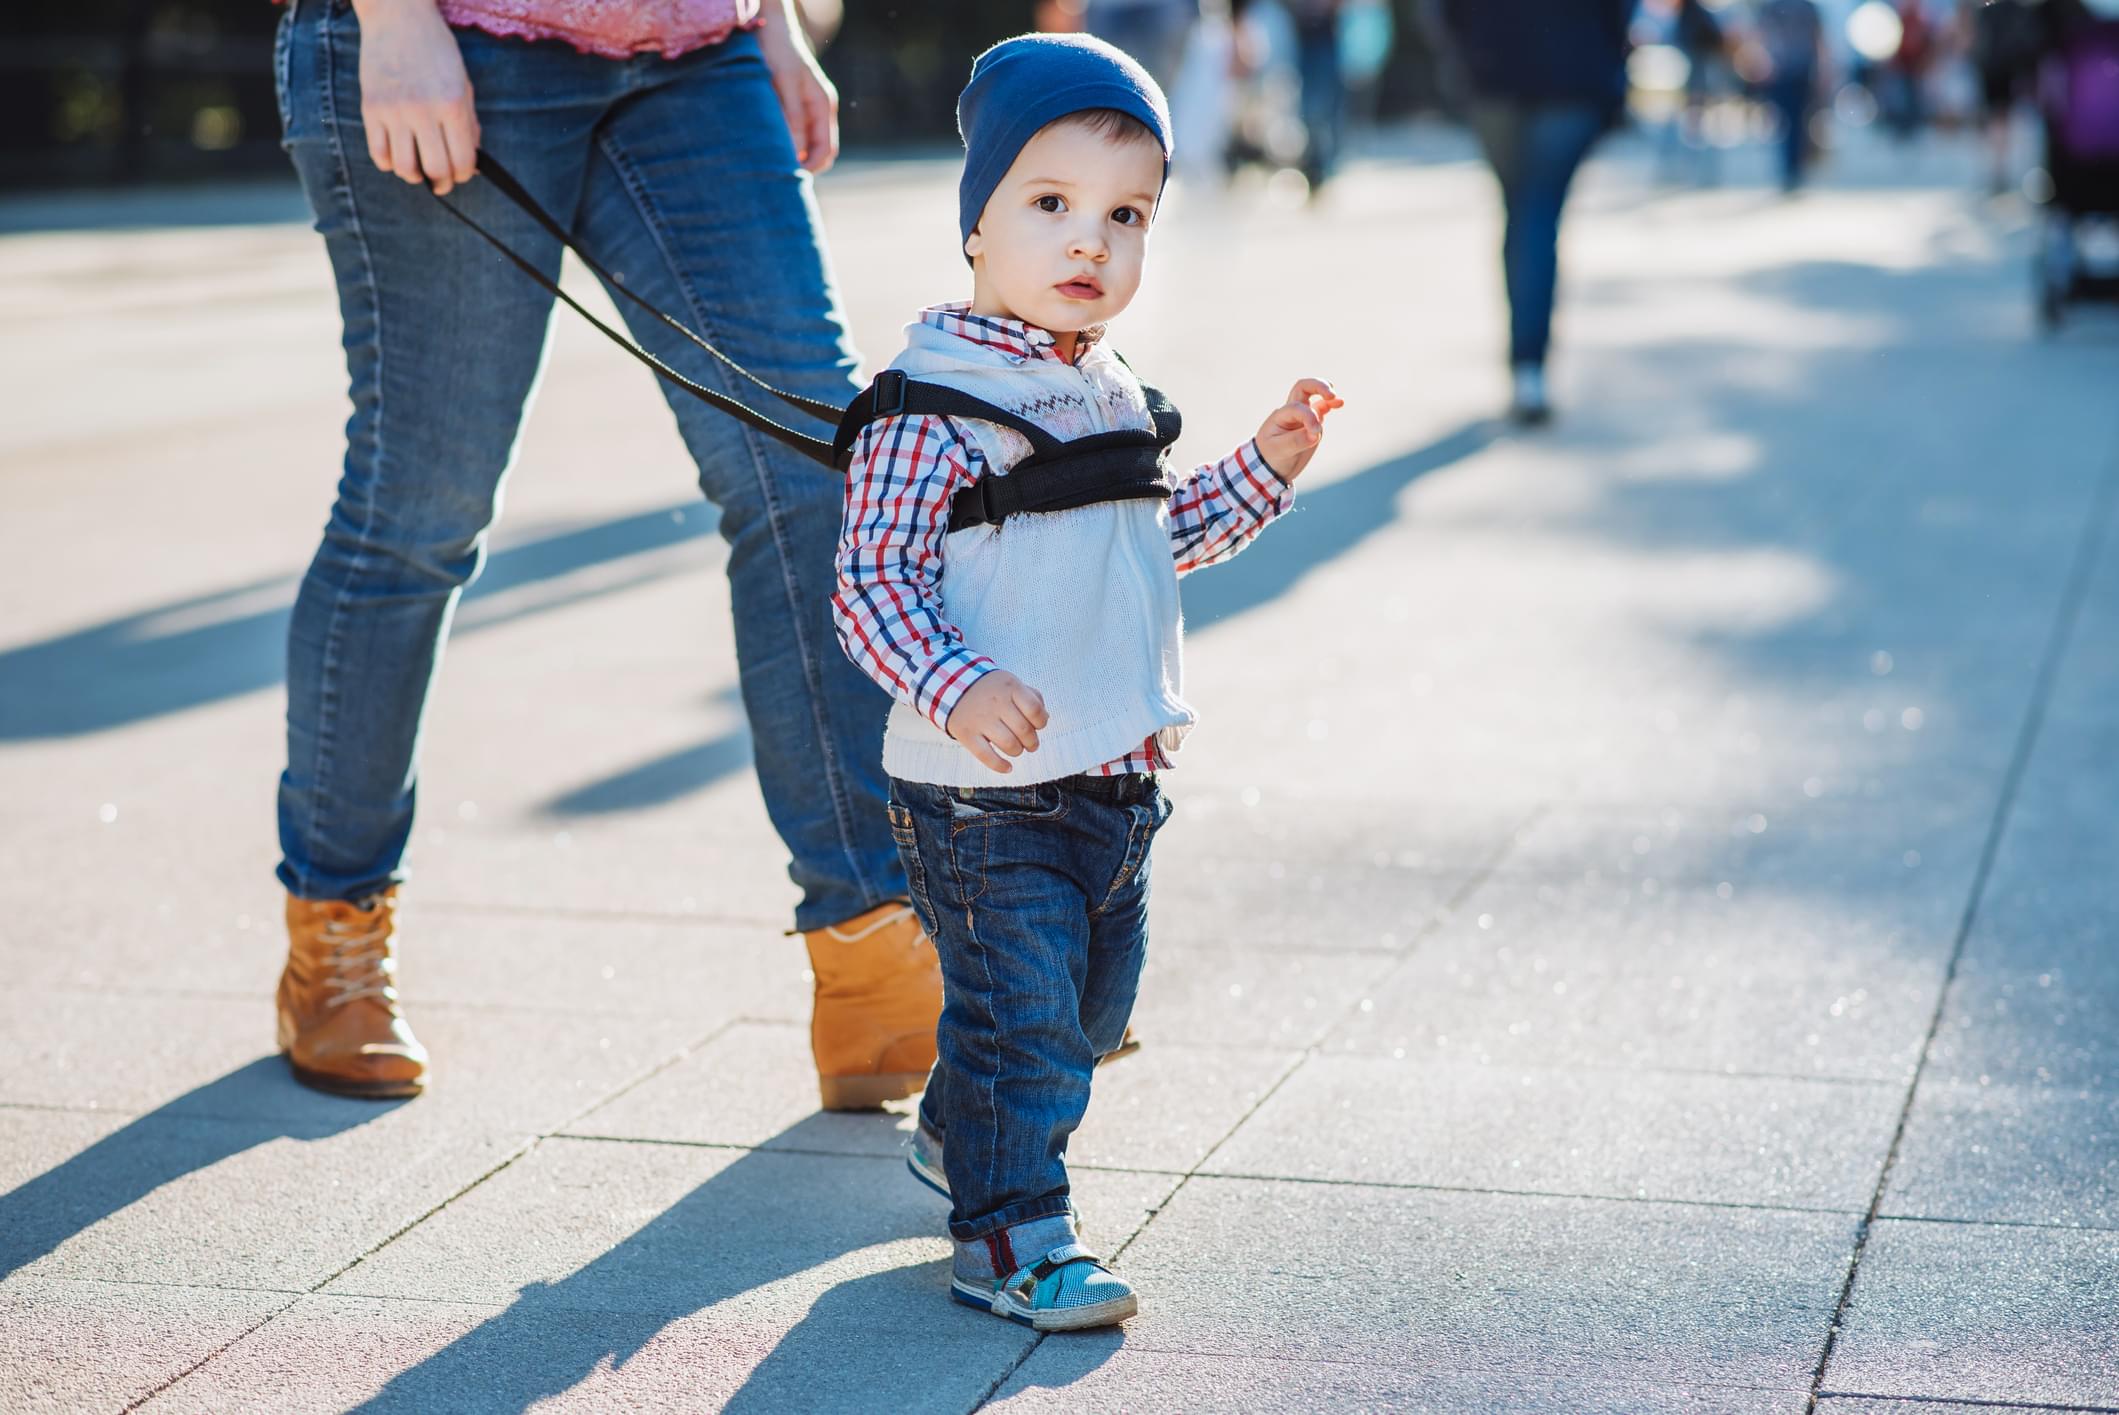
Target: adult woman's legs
[{"x": 443, "y": 345}]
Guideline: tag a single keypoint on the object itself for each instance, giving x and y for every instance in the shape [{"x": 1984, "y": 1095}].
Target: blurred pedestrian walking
[
  {"x": 1791, "y": 37},
  {"x": 1152, "y": 31},
  {"x": 1698, "y": 35},
  {"x": 1317, "y": 59},
  {"x": 673, "y": 138},
  {"x": 1548, "y": 77},
  {"x": 2006, "y": 38}
]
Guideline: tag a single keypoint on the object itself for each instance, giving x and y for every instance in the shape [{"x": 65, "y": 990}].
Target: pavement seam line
[
  {"x": 2067, "y": 614},
  {"x": 536, "y": 1139},
  {"x": 1473, "y": 882},
  {"x": 2071, "y": 1409}
]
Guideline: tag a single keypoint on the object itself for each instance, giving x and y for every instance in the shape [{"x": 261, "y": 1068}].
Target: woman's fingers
[
  {"x": 433, "y": 164},
  {"x": 823, "y": 127},
  {"x": 459, "y": 131},
  {"x": 378, "y": 142}
]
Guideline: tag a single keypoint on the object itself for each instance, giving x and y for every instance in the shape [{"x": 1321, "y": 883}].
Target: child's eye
[
  {"x": 1051, "y": 203},
  {"x": 1128, "y": 216}
]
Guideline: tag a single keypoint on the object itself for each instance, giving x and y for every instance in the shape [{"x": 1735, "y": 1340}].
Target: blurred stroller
[{"x": 2078, "y": 98}]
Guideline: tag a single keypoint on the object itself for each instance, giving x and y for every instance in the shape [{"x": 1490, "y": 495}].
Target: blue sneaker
[
  {"x": 923, "y": 1156},
  {"x": 1068, "y": 1289}
]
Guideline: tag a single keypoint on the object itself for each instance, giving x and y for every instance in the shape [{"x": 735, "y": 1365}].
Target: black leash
[{"x": 819, "y": 448}]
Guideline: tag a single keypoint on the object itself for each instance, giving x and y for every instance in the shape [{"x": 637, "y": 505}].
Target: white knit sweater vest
[{"x": 1081, "y": 605}]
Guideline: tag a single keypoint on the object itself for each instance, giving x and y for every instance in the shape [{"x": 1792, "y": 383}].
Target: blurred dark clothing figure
[
  {"x": 2078, "y": 102},
  {"x": 1791, "y": 34},
  {"x": 2007, "y": 36},
  {"x": 1152, "y": 31},
  {"x": 1902, "y": 87},
  {"x": 1547, "y": 78},
  {"x": 1698, "y": 35},
  {"x": 1317, "y": 62}
]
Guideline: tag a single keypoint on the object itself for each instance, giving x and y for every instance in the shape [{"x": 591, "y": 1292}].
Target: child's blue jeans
[{"x": 1037, "y": 900}]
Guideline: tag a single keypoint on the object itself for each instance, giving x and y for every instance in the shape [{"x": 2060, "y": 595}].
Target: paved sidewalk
[{"x": 1636, "y": 935}]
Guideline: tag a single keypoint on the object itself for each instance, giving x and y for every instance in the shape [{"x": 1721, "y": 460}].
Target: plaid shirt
[{"x": 905, "y": 470}]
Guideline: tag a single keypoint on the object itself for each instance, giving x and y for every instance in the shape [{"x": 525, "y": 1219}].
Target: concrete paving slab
[
  {"x": 1636, "y": 972},
  {"x": 675, "y": 1229},
  {"x": 1099, "y": 1372},
  {"x": 258, "y": 1203},
  {"x": 2009, "y": 1153},
  {"x": 69, "y": 1345},
  {"x": 494, "y": 1068},
  {"x": 1590, "y": 1291},
  {"x": 1970, "y": 1312},
  {"x": 1621, "y": 1134},
  {"x": 857, "y": 1346},
  {"x": 1201, "y": 995}
]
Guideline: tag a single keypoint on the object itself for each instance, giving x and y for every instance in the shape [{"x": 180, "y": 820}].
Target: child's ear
[{"x": 974, "y": 245}]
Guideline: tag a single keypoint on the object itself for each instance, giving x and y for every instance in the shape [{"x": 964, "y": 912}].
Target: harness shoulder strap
[{"x": 892, "y": 394}]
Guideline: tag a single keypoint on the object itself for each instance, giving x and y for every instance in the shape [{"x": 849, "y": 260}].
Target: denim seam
[
  {"x": 971, "y": 931},
  {"x": 834, "y": 777},
  {"x": 1139, "y": 836},
  {"x": 327, "y": 697}
]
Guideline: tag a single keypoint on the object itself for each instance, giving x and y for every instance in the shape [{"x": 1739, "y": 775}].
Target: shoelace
[
  {"x": 360, "y": 962},
  {"x": 896, "y": 916}
]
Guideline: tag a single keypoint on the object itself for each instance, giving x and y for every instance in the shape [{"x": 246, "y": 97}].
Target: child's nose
[{"x": 1087, "y": 245}]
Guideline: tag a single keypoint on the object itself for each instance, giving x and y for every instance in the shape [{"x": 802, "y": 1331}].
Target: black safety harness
[{"x": 1058, "y": 475}]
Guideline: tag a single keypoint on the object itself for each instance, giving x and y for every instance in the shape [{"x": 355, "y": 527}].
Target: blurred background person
[
  {"x": 1317, "y": 59},
  {"x": 1152, "y": 31},
  {"x": 1791, "y": 38},
  {"x": 2005, "y": 37},
  {"x": 1698, "y": 35},
  {"x": 1547, "y": 78}
]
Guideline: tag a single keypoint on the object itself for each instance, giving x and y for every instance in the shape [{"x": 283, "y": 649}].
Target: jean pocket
[{"x": 995, "y": 805}]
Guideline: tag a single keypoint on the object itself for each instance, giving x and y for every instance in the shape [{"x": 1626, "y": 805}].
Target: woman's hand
[
  {"x": 806, "y": 96},
  {"x": 1290, "y": 434},
  {"x": 998, "y": 714},
  {"x": 415, "y": 95}
]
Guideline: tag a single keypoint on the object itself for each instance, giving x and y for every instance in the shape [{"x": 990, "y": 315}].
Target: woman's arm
[
  {"x": 806, "y": 96},
  {"x": 415, "y": 95}
]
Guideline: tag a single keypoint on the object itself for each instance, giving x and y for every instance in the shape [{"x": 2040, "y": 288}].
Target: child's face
[{"x": 1065, "y": 234}]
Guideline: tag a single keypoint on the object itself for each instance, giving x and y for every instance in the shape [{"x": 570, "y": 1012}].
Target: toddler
[{"x": 1008, "y": 571}]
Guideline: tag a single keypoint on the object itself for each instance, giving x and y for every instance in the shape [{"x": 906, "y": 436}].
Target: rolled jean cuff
[{"x": 1050, "y": 1206}]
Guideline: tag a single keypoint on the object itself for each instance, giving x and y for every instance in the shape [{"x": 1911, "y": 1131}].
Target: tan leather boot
[
  {"x": 879, "y": 994},
  {"x": 340, "y": 1025}
]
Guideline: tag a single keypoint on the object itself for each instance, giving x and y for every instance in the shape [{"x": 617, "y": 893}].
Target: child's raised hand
[
  {"x": 1290, "y": 434},
  {"x": 998, "y": 714}
]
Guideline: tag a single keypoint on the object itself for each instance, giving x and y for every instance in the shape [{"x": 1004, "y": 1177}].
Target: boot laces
[{"x": 360, "y": 961}]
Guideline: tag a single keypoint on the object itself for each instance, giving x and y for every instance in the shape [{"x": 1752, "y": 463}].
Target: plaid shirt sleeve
[
  {"x": 1219, "y": 509},
  {"x": 888, "y": 604}
]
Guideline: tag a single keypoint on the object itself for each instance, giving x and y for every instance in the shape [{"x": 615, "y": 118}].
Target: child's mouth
[{"x": 1081, "y": 290}]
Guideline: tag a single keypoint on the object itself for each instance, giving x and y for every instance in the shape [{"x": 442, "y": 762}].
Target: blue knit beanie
[{"x": 1021, "y": 84}]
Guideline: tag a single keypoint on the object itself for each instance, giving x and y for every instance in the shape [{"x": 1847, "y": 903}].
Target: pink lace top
[{"x": 615, "y": 28}]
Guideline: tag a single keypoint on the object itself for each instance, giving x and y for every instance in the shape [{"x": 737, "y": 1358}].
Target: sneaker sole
[
  {"x": 869, "y": 1092},
  {"x": 938, "y": 1183},
  {"x": 1100, "y": 1314}
]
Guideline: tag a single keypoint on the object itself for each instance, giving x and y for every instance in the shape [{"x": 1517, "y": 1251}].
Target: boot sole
[
  {"x": 869, "y": 1092},
  {"x": 361, "y": 1090}
]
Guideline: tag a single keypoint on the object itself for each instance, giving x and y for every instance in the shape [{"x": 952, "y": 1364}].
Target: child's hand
[
  {"x": 1290, "y": 434},
  {"x": 999, "y": 713}
]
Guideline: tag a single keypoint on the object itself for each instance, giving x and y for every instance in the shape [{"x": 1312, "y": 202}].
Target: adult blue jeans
[
  {"x": 1036, "y": 898},
  {"x": 1790, "y": 100},
  {"x": 680, "y": 177},
  {"x": 1534, "y": 149}
]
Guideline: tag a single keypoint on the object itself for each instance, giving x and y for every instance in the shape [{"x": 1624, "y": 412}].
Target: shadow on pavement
[
  {"x": 868, "y": 1342},
  {"x": 248, "y": 1107},
  {"x": 213, "y": 647},
  {"x": 1326, "y": 523}
]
